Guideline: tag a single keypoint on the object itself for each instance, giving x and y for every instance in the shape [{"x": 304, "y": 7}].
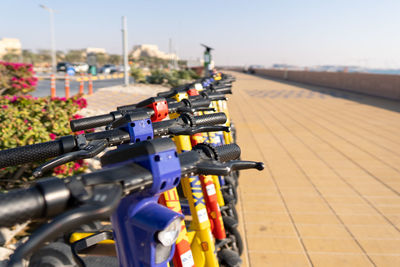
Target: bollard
[
  {"x": 66, "y": 86},
  {"x": 52, "y": 86},
  {"x": 90, "y": 84},
  {"x": 81, "y": 85}
]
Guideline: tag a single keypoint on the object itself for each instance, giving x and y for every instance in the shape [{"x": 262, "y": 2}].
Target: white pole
[
  {"x": 53, "y": 42},
  {"x": 52, "y": 36},
  {"x": 125, "y": 49}
]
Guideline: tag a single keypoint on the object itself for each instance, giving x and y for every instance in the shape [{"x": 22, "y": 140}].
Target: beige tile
[
  {"x": 323, "y": 230},
  {"x": 315, "y": 219},
  {"x": 262, "y": 243},
  {"x": 263, "y": 206},
  {"x": 272, "y": 229},
  {"x": 373, "y": 231},
  {"x": 278, "y": 259},
  {"x": 381, "y": 246},
  {"x": 267, "y": 217},
  {"x": 386, "y": 260},
  {"x": 363, "y": 219},
  {"x": 335, "y": 260},
  {"x": 327, "y": 245}
]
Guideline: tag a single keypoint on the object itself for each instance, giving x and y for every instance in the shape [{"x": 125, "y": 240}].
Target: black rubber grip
[
  {"x": 127, "y": 107},
  {"x": 20, "y": 205},
  {"x": 223, "y": 90},
  {"x": 91, "y": 122},
  {"x": 32, "y": 153},
  {"x": 199, "y": 103},
  {"x": 228, "y": 152},
  {"x": 210, "y": 119}
]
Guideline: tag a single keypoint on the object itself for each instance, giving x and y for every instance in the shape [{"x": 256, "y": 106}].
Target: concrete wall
[{"x": 373, "y": 84}]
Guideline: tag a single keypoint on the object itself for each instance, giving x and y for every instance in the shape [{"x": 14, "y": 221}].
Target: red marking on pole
[
  {"x": 52, "y": 86},
  {"x": 81, "y": 86},
  {"x": 90, "y": 85},
  {"x": 66, "y": 86}
]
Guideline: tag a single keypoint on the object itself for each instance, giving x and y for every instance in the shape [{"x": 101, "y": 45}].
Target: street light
[{"x": 53, "y": 41}]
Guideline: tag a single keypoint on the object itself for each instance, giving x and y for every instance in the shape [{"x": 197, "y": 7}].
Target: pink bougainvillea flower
[
  {"x": 77, "y": 116},
  {"x": 76, "y": 166},
  {"x": 4, "y": 106},
  {"x": 52, "y": 136}
]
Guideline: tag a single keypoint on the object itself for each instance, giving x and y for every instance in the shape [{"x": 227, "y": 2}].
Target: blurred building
[
  {"x": 10, "y": 45},
  {"x": 149, "y": 50}
]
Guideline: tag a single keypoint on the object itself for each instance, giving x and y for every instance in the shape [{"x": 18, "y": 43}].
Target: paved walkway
[
  {"x": 330, "y": 194},
  {"x": 108, "y": 99}
]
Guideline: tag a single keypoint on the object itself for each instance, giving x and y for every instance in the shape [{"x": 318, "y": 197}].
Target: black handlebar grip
[
  {"x": 228, "y": 152},
  {"x": 224, "y": 90},
  {"x": 210, "y": 119},
  {"x": 36, "y": 152},
  {"x": 199, "y": 103},
  {"x": 127, "y": 107},
  {"x": 20, "y": 205},
  {"x": 91, "y": 122},
  {"x": 167, "y": 94}
]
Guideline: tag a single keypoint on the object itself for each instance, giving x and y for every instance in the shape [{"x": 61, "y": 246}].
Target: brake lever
[
  {"x": 212, "y": 167},
  {"x": 197, "y": 129},
  {"x": 89, "y": 151},
  {"x": 100, "y": 205}
]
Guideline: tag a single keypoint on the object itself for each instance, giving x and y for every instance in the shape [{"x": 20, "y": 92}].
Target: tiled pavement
[
  {"x": 107, "y": 99},
  {"x": 330, "y": 193}
]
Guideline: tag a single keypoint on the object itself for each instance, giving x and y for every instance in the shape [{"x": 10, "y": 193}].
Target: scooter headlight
[{"x": 170, "y": 234}]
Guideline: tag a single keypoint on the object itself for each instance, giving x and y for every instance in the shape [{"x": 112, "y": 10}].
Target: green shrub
[
  {"x": 172, "y": 78},
  {"x": 187, "y": 75},
  {"x": 16, "y": 78},
  {"x": 137, "y": 74},
  {"x": 26, "y": 120}
]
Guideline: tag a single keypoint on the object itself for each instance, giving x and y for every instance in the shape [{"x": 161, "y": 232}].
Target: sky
[{"x": 298, "y": 32}]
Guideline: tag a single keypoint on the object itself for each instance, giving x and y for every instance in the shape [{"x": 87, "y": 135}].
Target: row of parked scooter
[{"x": 166, "y": 196}]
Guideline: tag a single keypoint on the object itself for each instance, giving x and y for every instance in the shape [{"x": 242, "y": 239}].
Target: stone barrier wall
[{"x": 383, "y": 85}]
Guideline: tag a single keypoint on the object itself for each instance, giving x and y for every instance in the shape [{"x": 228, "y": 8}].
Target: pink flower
[
  {"x": 77, "y": 116},
  {"x": 76, "y": 166},
  {"x": 52, "y": 136},
  {"x": 29, "y": 128},
  {"x": 43, "y": 110},
  {"x": 25, "y": 121},
  {"x": 59, "y": 170},
  {"x": 4, "y": 106}
]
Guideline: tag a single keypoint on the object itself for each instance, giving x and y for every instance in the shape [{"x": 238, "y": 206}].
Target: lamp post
[
  {"x": 53, "y": 41},
  {"x": 125, "y": 49}
]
